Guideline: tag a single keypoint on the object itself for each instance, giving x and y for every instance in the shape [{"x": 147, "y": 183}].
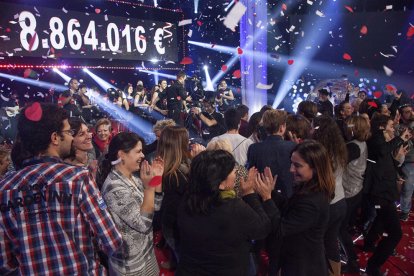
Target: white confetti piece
[
  {"x": 17, "y": 49},
  {"x": 190, "y": 33},
  {"x": 319, "y": 13},
  {"x": 16, "y": 16},
  {"x": 45, "y": 43},
  {"x": 64, "y": 10},
  {"x": 394, "y": 48},
  {"x": 309, "y": 2},
  {"x": 388, "y": 7},
  {"x": 388, "y": 71},
  {"x": 234, "y": 16},
  {"x": 106, "y": 17},
  {"x": 264, "y": 86},
  {"x": 387, "y": 56},
  {"x": 292, "y": 28},
  {"x": 13, "y": 22},
  {"x": 185, "y": 22}
]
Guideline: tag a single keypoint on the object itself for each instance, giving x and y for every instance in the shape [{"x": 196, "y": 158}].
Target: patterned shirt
[
  {"x": 124, "y": 198},
  {"x": 51, "y": 214}
]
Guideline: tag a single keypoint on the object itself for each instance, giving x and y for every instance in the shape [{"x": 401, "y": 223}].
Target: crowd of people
[{"x": 79, "y": 199}]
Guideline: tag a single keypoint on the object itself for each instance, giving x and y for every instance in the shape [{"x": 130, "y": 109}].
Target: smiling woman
[
  {"x": 132, "y": 200},
  {"x": 82, "y": 143}
]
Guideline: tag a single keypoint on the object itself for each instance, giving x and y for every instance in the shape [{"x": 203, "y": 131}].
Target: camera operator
[
  {"x": 213, "y": 121},
  {"x": 72, "y": 100},
  {"x": 224, "y": 96},
  {"x": 114, "y": 96},
  {"x": 196, "y": 91},
  {"x": 159, "y": 98}
]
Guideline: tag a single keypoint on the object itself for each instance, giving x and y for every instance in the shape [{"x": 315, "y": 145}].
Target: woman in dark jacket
[
  {"x": 296, "y": 244},
  {"x": 216, "y": 227}
]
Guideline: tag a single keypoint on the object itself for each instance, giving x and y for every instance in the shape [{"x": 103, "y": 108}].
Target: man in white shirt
[{"x": 240, "y": 144}]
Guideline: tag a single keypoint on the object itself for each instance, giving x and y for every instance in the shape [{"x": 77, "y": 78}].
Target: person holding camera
[
  {"x": 75, "y": 98},
  {"x": 224, "y": 97},
  {"x": 213, "y": 121}
]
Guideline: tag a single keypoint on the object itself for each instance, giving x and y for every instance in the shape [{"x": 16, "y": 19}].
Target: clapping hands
[{"x": 265, "y": 183}]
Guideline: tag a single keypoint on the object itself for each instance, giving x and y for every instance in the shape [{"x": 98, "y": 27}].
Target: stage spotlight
[
  {"x": 133, "y": 122},
  {"x": 156, "y": 73},
  {"x": 304, "y": 58},
  {"x": 85, "y": 69},
  {"x": 37, "y": 83},
  {"x": 209, "y": 83},
  {"x": 101, "y": 82},
  {"x": 229, "y": 6},
  {"x": 154, "y": 60},
  {"x": 196, "y": 6},
  {"x": 62, "y": 75}
]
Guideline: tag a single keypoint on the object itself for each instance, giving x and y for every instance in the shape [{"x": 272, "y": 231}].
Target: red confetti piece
[
  {"x": 186, "y": 60},
  {"x": 52, "y": 50},
  {"x": 390, "y": 87},
  {"x": 199, "y": 23},
  {"x": 410, "y": 32},
  {"x": 284, "y": 7},
  {"x": 98, "y": 11},
  {"x": 112, "y": 81},
  {"x": 237, "y": 74},
  {"x": 224, "y": 68},
  {"x": 290, "y": 61},
  {"x": 347, "y": 56},
  {"x": 142, "y": 37},
  {"x": 356, "y": 73},
  {"x": 26, "y": 73},
  {"x": 239, "y": 50},
  {"x": 349, "y": 8},
  {"x": 34, "y": 112},
  {"x": 32, "y": 40},
  {"x": 373, "y": 104},
  {"x": 179, "y": 98},
  {"x": 364, "y": 30},
  {"x": 377, "y": 94},
  {"x": 8, "y": 30}
]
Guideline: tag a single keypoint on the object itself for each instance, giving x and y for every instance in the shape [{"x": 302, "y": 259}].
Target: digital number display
[{"x": 38, "y": 31}]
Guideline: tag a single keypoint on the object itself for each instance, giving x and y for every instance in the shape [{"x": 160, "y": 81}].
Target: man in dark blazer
[{"x": 274, "y": 152}]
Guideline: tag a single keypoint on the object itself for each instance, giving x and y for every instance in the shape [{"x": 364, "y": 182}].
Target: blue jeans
[{"x": 407, "y": 187}]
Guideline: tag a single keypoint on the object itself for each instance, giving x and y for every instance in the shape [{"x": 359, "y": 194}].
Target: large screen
[{"x": 59, "y": 33}]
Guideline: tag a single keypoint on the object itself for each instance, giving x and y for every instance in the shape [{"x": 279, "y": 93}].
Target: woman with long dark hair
[
  {"x": 173, "y": 148},
  {"x": 296, "y": 244},
  {"x": 327, "y": 132},
  {"x": 216, "y": 227},
  {"x": 131, "y": 200}
]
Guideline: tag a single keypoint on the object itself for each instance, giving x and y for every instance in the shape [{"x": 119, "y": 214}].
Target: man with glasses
[{"x": 52, "y": 213}]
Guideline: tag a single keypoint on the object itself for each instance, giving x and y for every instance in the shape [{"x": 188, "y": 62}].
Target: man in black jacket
[
  {"x": 176, "y": 98},
  {"x": 381, "y": 183}
]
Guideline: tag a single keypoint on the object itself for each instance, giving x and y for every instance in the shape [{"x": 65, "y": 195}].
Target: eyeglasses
[{"x": 71, "y": 132}]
